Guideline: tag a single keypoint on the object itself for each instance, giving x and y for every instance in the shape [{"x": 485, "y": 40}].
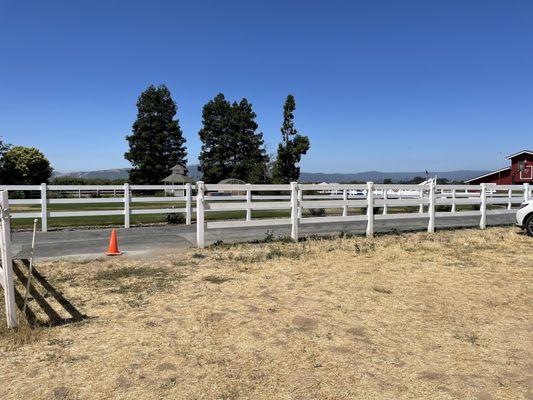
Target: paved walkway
[{"x": 93, "y": 242}]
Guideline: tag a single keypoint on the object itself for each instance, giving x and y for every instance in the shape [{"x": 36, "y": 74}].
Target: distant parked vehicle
[{"x": 524, "y": 217}]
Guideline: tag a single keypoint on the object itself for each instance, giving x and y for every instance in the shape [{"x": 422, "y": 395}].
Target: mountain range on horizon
[{"x": 366, "y": 176}]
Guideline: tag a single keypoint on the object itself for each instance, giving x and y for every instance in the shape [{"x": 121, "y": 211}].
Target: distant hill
[
  {"x": 374, "y": 176},
  {"x": 117, "y": 173},
  {"x": 377, "y": 176}
]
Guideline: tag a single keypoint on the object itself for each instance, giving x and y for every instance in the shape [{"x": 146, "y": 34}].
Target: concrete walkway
[{"x": 93, "y": 242}]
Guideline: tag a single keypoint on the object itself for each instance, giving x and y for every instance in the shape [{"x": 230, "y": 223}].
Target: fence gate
[{"x": 6, "y": 270}]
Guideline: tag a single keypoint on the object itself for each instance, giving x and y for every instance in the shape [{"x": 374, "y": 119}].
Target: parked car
[{"x": 524, "y": 217}]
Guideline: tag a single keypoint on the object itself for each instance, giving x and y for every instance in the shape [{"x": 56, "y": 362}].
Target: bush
[
  {"x": 317, "y": 212},
  {"x": 176, "y": 219}
]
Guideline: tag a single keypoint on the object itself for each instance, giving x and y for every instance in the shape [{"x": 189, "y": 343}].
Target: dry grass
[{"x": 414, "y": 316}]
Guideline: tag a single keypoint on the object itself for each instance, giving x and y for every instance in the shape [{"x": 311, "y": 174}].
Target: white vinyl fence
[
  {"x": 296, "y": 197},
  {"x": 395, "y": 201},
  {"x": 105, "y": 194},
  {"x": 6, "y": 270}
]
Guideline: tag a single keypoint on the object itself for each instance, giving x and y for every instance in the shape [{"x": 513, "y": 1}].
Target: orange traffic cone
[{"x": 112, "y": 250}]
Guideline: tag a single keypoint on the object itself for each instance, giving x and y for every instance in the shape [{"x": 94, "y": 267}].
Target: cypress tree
[
  {"x": 291, "y": 149},
  {"x": 157, "y": 142}
]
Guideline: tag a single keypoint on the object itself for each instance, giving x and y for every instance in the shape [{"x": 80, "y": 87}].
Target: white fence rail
[
  {"x": 426, "y": 199},
  {"x": 6, "y": 270}
]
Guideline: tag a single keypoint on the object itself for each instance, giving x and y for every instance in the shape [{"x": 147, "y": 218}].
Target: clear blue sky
[{"x": 379, "y": 85}]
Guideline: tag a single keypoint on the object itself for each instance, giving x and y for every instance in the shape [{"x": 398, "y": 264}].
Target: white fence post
[
  {"x": 421, "y": 197},
  {"x": 385, "y": 198},
  {"x": 294, "y": 211},
  {"x": 510, "y": 195},
  {"x": 526, "y": 191},
  {"x": 431, "y": 208},
  {"x": 200, "y": 229},
  {"x": 345, "y": 207},
  {"x": 454, "y": 206},
  {"x": 248, "y": 202},
  {"x": 127, "y": 201},
  {"x": 188, "y": 203},
  {"x": 300, "y": 199},
  {"x": 7, "y": 262},
  {"x": 483, "y": 206},
  {"x": 370, "y": 209},
  {"x": 44, "y": 208}
]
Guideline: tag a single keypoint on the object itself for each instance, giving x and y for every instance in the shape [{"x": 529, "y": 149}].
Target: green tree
[
  {"x": 231, "y": 147},
  {"x": 215, "y": 156},
  {"x": 4, "y": 147},
  {"x": 25, "y": 166},
  {"x": 291, "y": 149},
  {"x": 156, "y": 142}
]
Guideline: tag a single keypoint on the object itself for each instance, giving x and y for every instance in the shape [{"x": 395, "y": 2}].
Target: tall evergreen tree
[
  {"x": 156, "y": 142},
  {"x": 231, "y": 147},
  {"x": 216, "y": 140},
  {"x": 291, "y": 149},
  {"x": 250, "y": 154}
]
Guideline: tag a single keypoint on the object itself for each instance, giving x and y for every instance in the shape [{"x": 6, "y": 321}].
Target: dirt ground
[{"x": 411, "y": 316}]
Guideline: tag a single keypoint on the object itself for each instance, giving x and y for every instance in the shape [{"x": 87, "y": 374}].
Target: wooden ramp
[{"x": 46, "y": 305}]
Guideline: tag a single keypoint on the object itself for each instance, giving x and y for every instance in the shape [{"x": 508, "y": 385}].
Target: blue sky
[{"x": 379, "y": 85}]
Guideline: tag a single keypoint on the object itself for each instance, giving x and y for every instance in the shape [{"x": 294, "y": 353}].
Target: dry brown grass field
[{"x": 411, "y": 316}]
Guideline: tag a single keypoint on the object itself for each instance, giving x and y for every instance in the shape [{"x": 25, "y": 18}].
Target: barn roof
[
  {"x": 487, "y": 174},
  {"x": 530, "y": 152}
]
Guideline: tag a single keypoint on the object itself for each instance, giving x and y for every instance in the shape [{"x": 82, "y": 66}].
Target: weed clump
[{"x": 216, "y": 279}]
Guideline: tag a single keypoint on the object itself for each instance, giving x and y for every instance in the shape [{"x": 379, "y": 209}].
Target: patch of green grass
[{"x": 118, "y": 220}]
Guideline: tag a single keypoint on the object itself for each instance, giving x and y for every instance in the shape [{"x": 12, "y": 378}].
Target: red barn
[{"x": 520, "y": 171}]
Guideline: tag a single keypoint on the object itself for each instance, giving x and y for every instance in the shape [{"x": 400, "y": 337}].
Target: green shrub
[
  {"x": 176, "y": 218},
  {"x": 317, "y": 212}
]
